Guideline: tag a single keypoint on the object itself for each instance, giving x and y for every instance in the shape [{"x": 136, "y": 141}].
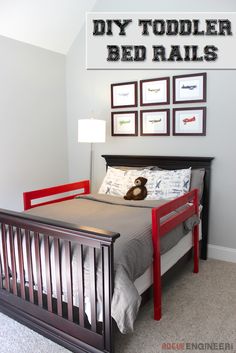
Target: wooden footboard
[{"x": 45, "y": 311}]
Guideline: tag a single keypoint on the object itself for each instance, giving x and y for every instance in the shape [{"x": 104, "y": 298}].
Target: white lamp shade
[{"x": 91, "y": 130}]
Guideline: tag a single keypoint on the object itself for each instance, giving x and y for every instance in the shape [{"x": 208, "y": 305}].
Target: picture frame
[
  {"x": 189, "y": 121},
  {"x": 190, "y": 88},
  {"x": 124, "y": 123},
  {"x": 124, "y": 95},
  {"x": 155, "y": 91},
  {"x": 155, "y": 122}
]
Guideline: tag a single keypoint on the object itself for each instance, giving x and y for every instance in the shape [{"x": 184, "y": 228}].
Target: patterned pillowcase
[
  {"x": 161, "y": 184},
  {"x": 117, "y": 181},
  {"x": 113, "y": 183},
  {"x": 167, "y": 184}
]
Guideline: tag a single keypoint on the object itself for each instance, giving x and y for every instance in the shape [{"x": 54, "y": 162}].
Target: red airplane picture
[{"x": 189, "y": 120}]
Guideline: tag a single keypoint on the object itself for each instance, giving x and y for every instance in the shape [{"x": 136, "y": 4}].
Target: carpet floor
[{"x": 199, "y": 315}]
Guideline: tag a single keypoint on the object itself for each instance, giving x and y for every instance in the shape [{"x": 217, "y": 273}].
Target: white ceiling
[{"x": 50, "y": 24}]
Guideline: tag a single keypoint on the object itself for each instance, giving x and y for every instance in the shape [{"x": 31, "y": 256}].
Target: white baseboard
[{"x": 221, "y": 253}]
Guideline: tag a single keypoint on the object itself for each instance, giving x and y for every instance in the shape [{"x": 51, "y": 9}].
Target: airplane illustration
[
  {"x": 122, "y": 122},
  {"x": 189, "y": 87},
  {"x": 186, "y": 184},
  {"x": 155, "y": 121},
  {"x": 154, "y": 90},
  {"x": 189, "y": 120},
  {"x": 124, "y": 94}
]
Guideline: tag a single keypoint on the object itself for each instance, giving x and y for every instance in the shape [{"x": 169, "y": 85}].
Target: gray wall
[
  {"x": 90, "y": 90},
  {"x": 33, "y": 146}
]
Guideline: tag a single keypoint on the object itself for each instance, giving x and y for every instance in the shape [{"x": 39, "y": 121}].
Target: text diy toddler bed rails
[{"x": 25, "y": 273}]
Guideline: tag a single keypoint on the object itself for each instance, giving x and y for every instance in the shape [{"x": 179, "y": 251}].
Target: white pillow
[
  {"x": 161, "y": 184},
  {"x": 113, "y": 182},
  {"x": 117, "y": 181},
  {"x": 167, "y": 184}
]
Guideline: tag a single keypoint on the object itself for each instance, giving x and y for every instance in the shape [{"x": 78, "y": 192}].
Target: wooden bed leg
[
  {"x": 156, "y": 266},
  {"x": 196, "y": 249},
  {"x": 196, "y": 235}
]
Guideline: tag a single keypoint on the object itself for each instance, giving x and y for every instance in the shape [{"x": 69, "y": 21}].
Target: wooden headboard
[{"x": 172, "y": 162}]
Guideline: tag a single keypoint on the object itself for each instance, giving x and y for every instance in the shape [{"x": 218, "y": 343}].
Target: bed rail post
[
  {"x": 156, "y": 264},
  {"x": 196, "y": 235}
]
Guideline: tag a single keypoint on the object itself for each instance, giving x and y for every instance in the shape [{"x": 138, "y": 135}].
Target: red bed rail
[
  {"x": 160, "y": 228},
  {"x": 55, "y": 190}
]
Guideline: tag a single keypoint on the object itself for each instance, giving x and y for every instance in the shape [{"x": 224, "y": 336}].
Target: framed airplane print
[
  {"x": 155, "y": 91},
  {"x": 189, "y": 121},
  {"x": 155, "y": 122},
  {"x": 124, "y": 123},
  {"x": 189, "y": 88},
  {"x": 124, "y": 95}
]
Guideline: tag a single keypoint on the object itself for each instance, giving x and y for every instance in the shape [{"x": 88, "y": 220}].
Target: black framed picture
[
  {"x": 189, "y": 88},
  {"x": 124, "y": 123},
  {"x": 155, "y": 91},
  {"x": 189, "y": 121},
  {"x": 155, "y": 122},
  {"x": 124, "y": 95}
]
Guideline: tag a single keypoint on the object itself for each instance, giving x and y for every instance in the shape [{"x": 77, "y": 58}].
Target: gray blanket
[{"x": 133, "y": 250}]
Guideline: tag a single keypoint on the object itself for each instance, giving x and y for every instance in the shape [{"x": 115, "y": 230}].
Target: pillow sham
[
  {"x": 167, "y": 184},
  {"x": 113, "y": 183},
  {"x": 197, "y": 179},
  {"x": 117, "y": 181}
]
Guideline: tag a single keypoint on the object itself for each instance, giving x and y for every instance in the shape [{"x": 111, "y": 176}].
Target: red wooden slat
[
  {"x": 176, "y": 203},
  {"x": 48, "y": 272},
  {"x": 5, "y": 256},
  {"x": 196, "y": 248},
  {"x": 21, "y": 263},
  {"x": 93, "y": 294},
  {"x": 29, "y": 265},
  {"x": 58, "y": 274},
  {"x": 81, "y": 284},
  {"x": 69, "y": 280},
  {"x": 175, "y": 220},
  {"x": 13, "y": 260},
  {"x": 196, "y": 235},
  {"x": 39, "y": 269},
  {"x": 37, "y": 194},
  {"x": 156, "y": 264}
]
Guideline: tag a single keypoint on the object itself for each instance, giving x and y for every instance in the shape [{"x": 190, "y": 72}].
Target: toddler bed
[{"x": 75, "y": 307}]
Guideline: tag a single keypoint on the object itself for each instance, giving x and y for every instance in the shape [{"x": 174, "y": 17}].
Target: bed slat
[
  {"x": 1, "y": 273},
  {"x": 29, "y": 264},
  {"x": 48, "y": 272},
  {"x": 69, "y": 280},
  {"x": 13, "y": 260},
  {"x": 58, "y": 275},
  {"x": 39, "y": 269},
  {"x": 81, "y": 284},
  {"x": 5, "y": 257},
  {"x": 107, "y": 285},
  {"x": 93, "y": 294},
  {"x": 21, "y": 263}
]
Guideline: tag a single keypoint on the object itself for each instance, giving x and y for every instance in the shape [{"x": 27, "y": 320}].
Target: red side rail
[
  {"x": 159, "y": 229},
  {"x": 38, "y": 194}
]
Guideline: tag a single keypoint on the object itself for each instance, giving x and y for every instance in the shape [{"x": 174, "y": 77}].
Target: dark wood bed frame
[{"x": 61, "y": 321}]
